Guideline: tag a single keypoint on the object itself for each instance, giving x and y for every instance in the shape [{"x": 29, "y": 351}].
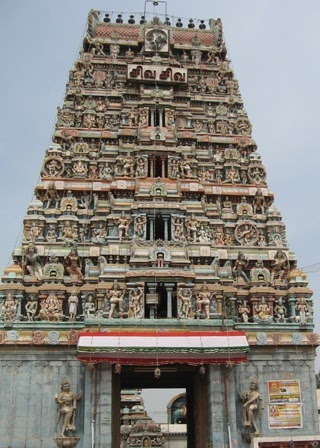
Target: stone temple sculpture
[{"x": 66, "y": 414}]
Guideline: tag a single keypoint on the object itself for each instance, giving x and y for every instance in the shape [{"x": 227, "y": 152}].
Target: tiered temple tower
[{"x": 153, "y": 256}]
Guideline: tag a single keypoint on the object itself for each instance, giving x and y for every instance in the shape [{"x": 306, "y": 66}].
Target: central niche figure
[
  {"x": 203, "y": 301},
  {"x": 73, "y": 264},
  {"x": 123, "y": 226},
  {"x": 115, "y": 296}
]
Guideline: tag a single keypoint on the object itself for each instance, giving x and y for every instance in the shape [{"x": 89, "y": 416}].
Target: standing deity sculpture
[
  {"x": 280, "y": 311},
  {"x": 135, "y": 304},
  {"x": 279, "y": 265},
  {"x": 9, "y": 308},
  {"x": 51, "y": 196},
  {"x": 67, "y": 403},
  {"x": 218, "y": 236},
  {"x": 252, "y": 404},
  {"x": 170, "y": 119},
  {"x": 115, "y": 296},
  {"x": 240, "y": 265},
  {"x": 259, "y": 203},
  {"x": 203, "y": 300},
  {"x": 123, "y": 226},
  {"x": 141, "y": 167},
  {"x": 178, "y": 230},
  {"x": 185, "y": 303},
  {"x": 31, "y": 307},
  {"x": 244, "y": 311},
  {"x": 192, "y": 228},
  {"x": 128, "y": 165},
  {"x": 173, "y": 167},
  {"x": 139, "y": 227},
  {"x": 143, "y": 117},
  {"x": 34, "y": 232},
  {"x": 302, "y": 310},
  {"x": 73, "y": 305}
]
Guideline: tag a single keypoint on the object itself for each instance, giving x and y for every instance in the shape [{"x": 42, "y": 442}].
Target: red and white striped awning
[{"x": 167, "y": 347}]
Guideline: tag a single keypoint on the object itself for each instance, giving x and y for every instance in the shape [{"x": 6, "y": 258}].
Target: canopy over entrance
[{"x": 159, "y": 348}]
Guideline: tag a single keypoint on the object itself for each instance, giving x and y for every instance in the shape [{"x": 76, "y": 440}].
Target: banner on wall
[{"x": 284, "y": 410}]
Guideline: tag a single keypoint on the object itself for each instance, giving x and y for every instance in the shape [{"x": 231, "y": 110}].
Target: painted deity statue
[
  {"x": 67, "y": 402},
  {"x": 73, "y": 264},
  {"x": 203, "y": 300},
  {"x": 9, "y": 308},
  {"x": 252, "y": 404},
  {"x": 135, "y": 302},
  {"x": 239, "y": 267},
  {"x": 73, "y": 305},
  {"x": 115, "y": 296},
  {"x": 33, "y": 263}
]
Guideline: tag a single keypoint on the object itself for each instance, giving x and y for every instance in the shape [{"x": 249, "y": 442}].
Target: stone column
[
  {"x": 216, "y": 427},
  {"x": 102, "y": 401},
  {"x": 163, "y": 166},
  {"x": 166, "y": 230},
  {"x": 151, "y": 174},
  {"x": 151, "y": 228},
  {"x": 169, "y": 287}
]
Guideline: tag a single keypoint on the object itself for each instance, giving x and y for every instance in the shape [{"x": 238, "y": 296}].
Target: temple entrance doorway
[{"x": 177, "y": 378}]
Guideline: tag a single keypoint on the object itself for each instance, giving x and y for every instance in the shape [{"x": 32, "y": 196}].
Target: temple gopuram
[{"x": 153, "y": 256}]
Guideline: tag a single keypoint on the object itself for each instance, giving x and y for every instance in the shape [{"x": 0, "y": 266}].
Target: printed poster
[
  {"x": 284, "y": 416},
  {"x": 284, "y": 391},
  {"x": 284, "y": 404}
]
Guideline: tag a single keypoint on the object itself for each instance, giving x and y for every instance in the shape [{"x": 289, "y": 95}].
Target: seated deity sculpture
[{"x": 51, "y": 308}]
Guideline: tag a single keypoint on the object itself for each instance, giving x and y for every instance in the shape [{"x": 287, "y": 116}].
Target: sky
[{"x": 274, "y": 49}]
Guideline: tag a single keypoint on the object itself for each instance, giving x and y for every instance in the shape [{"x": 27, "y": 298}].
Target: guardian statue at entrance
[
  {"x": 67, "y": 407},
  {"x": 252, "y": 404}
]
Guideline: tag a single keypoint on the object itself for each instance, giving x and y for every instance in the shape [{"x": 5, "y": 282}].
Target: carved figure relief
[
  {"x": 73, "y": 264},
  {"x": 67, "y": 407},
  {"x": 33, "y": 263},
  {"x": 246, "y": 234},
  {"x": 252, "y": 404},
  {"x": 263, "y": 309},
  {"x": 53, "y": 167},
  {"x": 136, "y": 305},
  {"x": 115, "y": 296},
  {"x": 9, "y": 308},
  {"x": 203, "y": 300},
  {"x": 185, "y": 303},
  {"x": 156, "y": 40},
  {"x": 51, "y": 309},
  {"x": 123, "y": 223}
]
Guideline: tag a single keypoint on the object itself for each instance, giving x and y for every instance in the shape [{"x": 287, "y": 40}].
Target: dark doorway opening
[
  {"x": 158, "y": 167},
  {"x": 159, "y": 227},
  {"x": 172, "y": 377}
]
